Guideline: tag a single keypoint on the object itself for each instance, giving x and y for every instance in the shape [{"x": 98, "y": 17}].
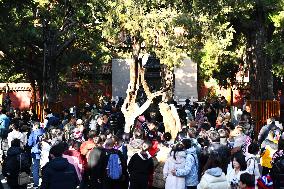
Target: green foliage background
[{"x": 214, "y": 33}]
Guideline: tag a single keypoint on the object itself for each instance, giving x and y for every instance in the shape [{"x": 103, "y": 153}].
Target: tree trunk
[
  {"x": 261, "y": 78},
  {"x": 130, "y": 107}
]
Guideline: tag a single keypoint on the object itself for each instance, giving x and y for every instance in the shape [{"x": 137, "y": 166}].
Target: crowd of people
[{"x": 88, "y": 148}]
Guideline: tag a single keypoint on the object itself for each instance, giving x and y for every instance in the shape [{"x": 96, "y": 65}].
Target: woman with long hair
[{"x": 176, "y": 160}]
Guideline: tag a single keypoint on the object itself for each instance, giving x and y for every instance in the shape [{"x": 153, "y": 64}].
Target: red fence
[{"x": 262, "y": 110}]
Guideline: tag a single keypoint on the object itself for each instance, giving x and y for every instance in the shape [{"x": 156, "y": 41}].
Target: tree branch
[{"x": 65, "y": 45}]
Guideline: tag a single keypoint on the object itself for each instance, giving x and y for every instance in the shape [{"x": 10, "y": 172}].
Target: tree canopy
[
  {"x": 42, "y": 39},
  {"x": 234, "y": 34}
]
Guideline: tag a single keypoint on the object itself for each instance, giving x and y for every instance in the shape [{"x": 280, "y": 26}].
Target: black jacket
[
  {"x": 277, "y": 173},
  {"x": 140, "y": 168},
  {"x": 11, "y": 165},
  {"x": 58, "y": 174}
]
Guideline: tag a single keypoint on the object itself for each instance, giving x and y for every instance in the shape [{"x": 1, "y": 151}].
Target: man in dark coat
[{"x": 58, "y": 173}]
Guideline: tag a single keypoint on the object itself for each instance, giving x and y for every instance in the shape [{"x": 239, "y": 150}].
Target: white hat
[{"x": 79, "y": 122}]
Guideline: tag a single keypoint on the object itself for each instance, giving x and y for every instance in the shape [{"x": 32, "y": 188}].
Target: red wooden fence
[{"x": 262, "y": 110}]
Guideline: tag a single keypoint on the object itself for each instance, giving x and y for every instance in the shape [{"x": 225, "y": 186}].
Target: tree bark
[
  {"x": 130, "y": 107},
  {"x": 261, "y": 79}
]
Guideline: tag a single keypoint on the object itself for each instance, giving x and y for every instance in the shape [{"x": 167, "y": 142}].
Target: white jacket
[
  {"x": 232, "y": 177},
  {"x": 213, "y": 178},
  {"x": 174, "y": 182}
]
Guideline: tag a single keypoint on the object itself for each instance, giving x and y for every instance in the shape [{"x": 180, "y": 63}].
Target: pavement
[{"x": 4, "y": 181}]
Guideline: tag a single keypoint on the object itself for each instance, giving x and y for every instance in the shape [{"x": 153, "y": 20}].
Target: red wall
[{"x": 20, "y": 99}]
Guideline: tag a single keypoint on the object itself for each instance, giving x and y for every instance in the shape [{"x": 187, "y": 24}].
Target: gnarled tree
[{"x": 143, "y": 27}]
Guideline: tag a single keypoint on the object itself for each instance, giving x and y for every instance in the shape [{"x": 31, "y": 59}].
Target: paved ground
[{"x": 4, "y": 182}]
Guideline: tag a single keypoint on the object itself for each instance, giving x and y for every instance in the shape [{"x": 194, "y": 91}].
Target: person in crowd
[
  {"x": 175, "y": 161},
  {"x": 25, "y": 131},
  {"x": 219, "y": 123},
  {"x": 227, "y": 115},
  {"x": 112, "y": 160},
  {"x": 251, "y": 159},
  {"x": 120, "y": 145},
  {"x": 211, "y": 115},
  {"x": 224, "y": 134},
  {"x": 77, "y": 135},
  {"x": 45, "y": 146},
  {"x": 34, "y": 143},
  {"x": 237, "y": 167},
  {"x": 88, "y": 145},
  {"x": 140, "y": 168},
  {"x": 15, "y": 134},
  {"x": 85, "y": 150},
  {"x": 15, "y": 163},
  {"x": 94, "y": 163},
  {"x": 199, "y": 116},
  {"x": 4, "y": 125},
  {"x": 223, "y": 103},
  {"x": 160, "y": 154},
  {"x": 69, "y": 127},
  {"x": 277, "y": 172},
  {"x": 74, "y": 157},
  {"x": 247, "y": 181},
  {"x": 135, "y": 143},
  {"x": 58, "y": 173},
  {"x": 268, "y": 148},
  {"x": 264, "y": 131},
  {"x": 49, "y": 119},
  {"x": 213, "y": 177},
  {"x": 190, "y": 171},
  {"x": 182, "y": 134},
  {"x": 222, "y": 150},
  {"x": 66, "y": 116}
]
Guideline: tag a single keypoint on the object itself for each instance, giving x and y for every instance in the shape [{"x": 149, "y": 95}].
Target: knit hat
[{"x": 79, "y": 122}]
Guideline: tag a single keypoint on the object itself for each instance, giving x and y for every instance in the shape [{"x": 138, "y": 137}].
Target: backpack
[{"x": 114, "y": 167}]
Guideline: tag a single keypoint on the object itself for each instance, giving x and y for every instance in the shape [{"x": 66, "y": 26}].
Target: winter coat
[
  {"x": 86, "y": 147},
  {"x": 263, "y": 133},
  {"x": 33, "y": 141},
  {"x": 15, "y": 135},
  {"x": 159, "y": 162},
  {"x": 269, "y": 148},
  {"x": 93, "y": 167},
  {"x": 172, "y": 164},
  {"x": 232, "y": 177},
  {"x": 59, "y": 174},
  {"x": 140, "y": 168},
  {"x": 45, "y": 148},
  {"x": 4, "y": 122},
  {"x": 11, "y": 165},
  {"x": 190, "y": 171},
  {"x": 213, "y": 178}
]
